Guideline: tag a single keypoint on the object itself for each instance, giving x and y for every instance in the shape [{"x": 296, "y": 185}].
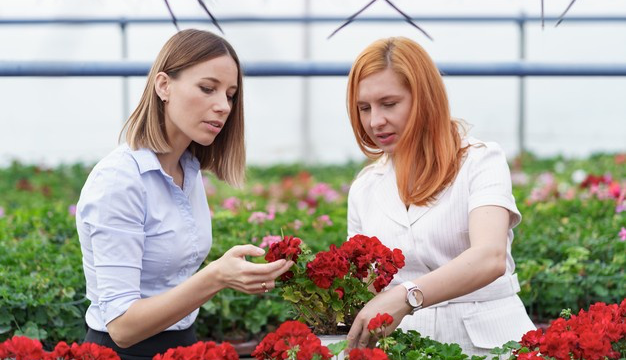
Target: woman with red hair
[{"x": 441, "y": 196}]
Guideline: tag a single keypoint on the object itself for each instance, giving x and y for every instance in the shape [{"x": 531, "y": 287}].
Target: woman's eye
[
  {"x": 364, "y": 108},
  {"x": 389, "y": 104},
  {"x": 230, "y": 98},
  {"x": 207, "y": 90}
]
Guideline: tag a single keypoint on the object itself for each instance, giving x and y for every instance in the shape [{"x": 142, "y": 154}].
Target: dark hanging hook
[
  {"x": 409, "y": 20},
  {"x": 406, "y": 17},
  {"x": 169, "y": 8},
  {"x": 351, "y": 18},
  {"x": 206, "y": 9},
  {"x": 561, "y": 18}
]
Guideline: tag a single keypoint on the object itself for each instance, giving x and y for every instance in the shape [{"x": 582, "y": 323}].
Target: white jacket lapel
[{"x": 386, "y": 194}]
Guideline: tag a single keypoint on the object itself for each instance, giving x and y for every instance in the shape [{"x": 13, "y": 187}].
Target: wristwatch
[{"x": 414, "y": 296}]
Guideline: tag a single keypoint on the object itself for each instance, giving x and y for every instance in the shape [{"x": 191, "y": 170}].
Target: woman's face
[
  {"x": 199, "y": 101},
  {"x": 384, "y": 103}
]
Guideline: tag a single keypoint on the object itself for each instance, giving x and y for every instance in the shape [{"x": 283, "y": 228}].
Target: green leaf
[{"x": 338, "y": 348}]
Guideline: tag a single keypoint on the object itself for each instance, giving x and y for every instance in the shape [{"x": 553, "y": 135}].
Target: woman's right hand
[{"x": 232, "y": 270}]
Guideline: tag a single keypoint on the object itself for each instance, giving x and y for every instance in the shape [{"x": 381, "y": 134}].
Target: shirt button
[{"x": 182, "y": 273}]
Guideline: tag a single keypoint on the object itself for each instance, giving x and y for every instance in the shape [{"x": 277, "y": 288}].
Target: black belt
[{"x": 146, "y": 349}]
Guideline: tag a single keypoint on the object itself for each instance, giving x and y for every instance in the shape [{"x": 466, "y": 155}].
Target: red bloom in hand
[
  {"x": 368, "y": 354},
  {"x": 380, "y": 321},
  {"x": 288, "y": 248}
]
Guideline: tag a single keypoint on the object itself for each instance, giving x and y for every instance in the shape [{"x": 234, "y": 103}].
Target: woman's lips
[
  {"x": 386, "y": 138},
  {"x": 213, "y": 126}
]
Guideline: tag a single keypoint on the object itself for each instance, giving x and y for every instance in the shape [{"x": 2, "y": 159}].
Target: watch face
[{"x": 415, "y": 298}]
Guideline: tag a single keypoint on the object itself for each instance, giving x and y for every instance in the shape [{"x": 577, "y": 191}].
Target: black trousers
[{"x": 146, "y": 349}]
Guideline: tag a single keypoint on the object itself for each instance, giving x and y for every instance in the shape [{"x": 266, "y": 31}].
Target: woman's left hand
[{"x": 392, "y": 302}]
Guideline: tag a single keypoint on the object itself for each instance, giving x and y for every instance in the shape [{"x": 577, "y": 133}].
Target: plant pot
[{"x": 332, "y": 339}]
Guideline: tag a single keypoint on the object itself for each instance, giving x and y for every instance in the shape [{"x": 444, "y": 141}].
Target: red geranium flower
[
  {"x": 22, "y": 348},
  {"x": 380, "y": 321},
  {"x": 327, "y": 266},
  {"x": 368, "y": 354},
  {"x": 199, "y": 351},
  {"x": 291, "y": 336},
  {"x": 590, "y": 335}
]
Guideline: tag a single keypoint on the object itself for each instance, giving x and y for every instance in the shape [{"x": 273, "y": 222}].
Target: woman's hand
[
  {"x": 232, "y": 270},
  {"x": 392, "y": 302}
]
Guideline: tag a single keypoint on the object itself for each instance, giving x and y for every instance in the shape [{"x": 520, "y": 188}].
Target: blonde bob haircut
[
  {"x": 145, "y": 128},
  {"x": 428, "y": 155}
]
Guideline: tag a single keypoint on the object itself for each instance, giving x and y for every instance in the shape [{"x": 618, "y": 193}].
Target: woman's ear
[{"x": 162, "y": 86}]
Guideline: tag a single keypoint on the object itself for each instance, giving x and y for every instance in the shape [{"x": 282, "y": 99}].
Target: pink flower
[
  {"x": 296, "y": 224},
  {"x": 259, "y": 217},
  {"x": 322, "y": 221},
  {"x": 231, "y": 203},
  {"x": 323, "y": 190},
  {"x": 1, "y": 212},
  {"x": 622, "y": 234},
  {"x": 72, "y": 209},
  {"x": 258, "y": 189},
  {"x": 269, "y": 240}
]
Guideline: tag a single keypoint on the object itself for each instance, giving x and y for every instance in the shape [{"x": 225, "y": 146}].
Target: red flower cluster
[
  {"x": 23, "y": 348},
  {"x": 363, "y": 251},
  {"x": 291, "y": 336},
  {"x": 606, "y": 180},
  {"x": 288, "y": 248},
  {"x": 200, "y": 351},
  {"x": 327, "y": 266},
  {"x": 367, "y": 254},
  {"x": 590, "y": 335},
  {"x": 368, "y": 354},
  {"x": 380, "y": 321}
]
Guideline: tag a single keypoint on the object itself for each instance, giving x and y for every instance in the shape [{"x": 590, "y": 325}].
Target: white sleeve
[
  {"x": 490, "y": 181},
  {"x": 113, "y": 210}
]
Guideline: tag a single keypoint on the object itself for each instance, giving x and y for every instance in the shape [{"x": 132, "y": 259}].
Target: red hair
[{"x": 428, "y": 155}]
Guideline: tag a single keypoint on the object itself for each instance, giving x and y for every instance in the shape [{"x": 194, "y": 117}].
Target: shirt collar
[{"x": 147, "y": 161}]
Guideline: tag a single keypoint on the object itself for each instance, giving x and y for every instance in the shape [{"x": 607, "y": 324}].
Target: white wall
[{"x": 53, "y": 120}]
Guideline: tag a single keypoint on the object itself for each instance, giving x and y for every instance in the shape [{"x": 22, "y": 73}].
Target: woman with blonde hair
[
  {"x": 143, "y": 219},
  {"x": 441, "y": 196}
]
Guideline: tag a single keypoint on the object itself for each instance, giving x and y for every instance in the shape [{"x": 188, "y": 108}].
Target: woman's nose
[
  {"x": 377, "y": 118},
  {"x": 222, "y": 105}
]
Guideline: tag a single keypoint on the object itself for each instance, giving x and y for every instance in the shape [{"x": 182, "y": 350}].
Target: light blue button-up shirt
[{"x": 140, "y": 233}]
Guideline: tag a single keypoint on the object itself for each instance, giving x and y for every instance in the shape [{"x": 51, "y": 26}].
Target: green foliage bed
[{"x": 568, "y": 250}]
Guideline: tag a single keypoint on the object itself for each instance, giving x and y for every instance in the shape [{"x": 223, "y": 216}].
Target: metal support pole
[
  {"x": 125, "y": 84},
  {"x": 305, "y": 116},
  {"x": 521, "y": 125}
]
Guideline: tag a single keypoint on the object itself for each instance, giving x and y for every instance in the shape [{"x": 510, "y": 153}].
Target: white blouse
[{"x": 431, "y": 236}]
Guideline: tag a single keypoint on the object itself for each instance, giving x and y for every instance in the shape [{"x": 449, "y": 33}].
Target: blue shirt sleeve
[{"x": 112, "y": 209}]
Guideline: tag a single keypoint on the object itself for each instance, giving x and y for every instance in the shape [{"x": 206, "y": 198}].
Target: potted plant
[{"x": 327, "y": 289}]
